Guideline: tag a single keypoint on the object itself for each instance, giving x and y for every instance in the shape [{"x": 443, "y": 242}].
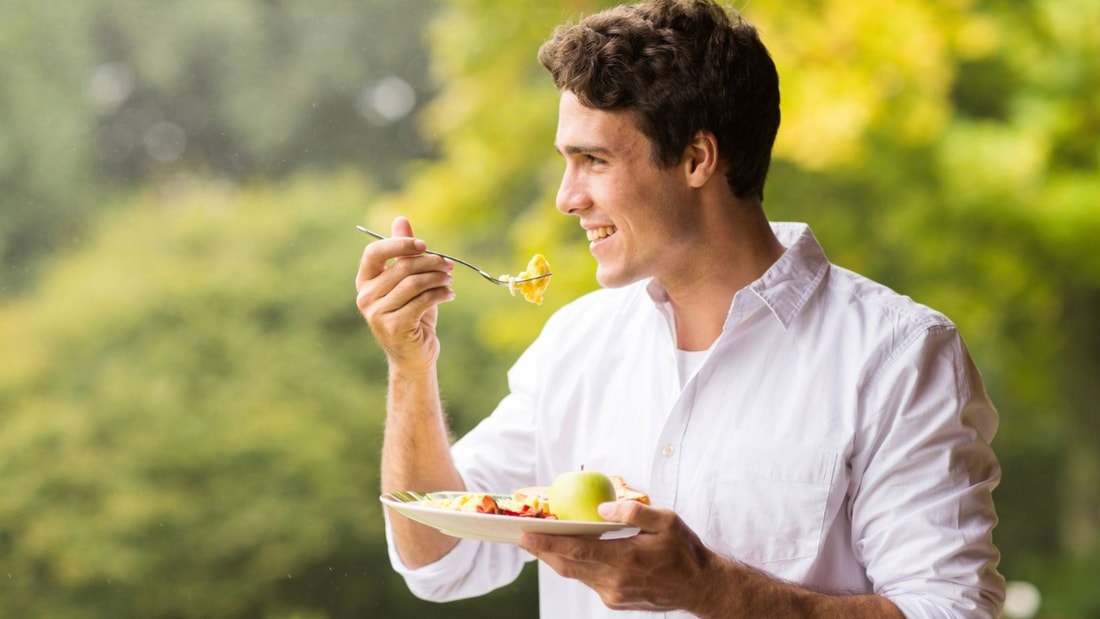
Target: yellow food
[
  {"x": 460, "y": 503},
  {"x": 536, "y": 499},
  {"x": 534, "y": 289}
]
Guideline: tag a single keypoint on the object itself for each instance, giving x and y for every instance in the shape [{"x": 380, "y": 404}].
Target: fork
[{"x": 495, "y": 280}]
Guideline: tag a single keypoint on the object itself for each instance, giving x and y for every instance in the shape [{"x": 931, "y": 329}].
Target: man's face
[{"x": 638, "y": 217}]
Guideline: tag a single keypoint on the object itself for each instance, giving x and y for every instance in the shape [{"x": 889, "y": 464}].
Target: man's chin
[{"x": 611, "y": 279}]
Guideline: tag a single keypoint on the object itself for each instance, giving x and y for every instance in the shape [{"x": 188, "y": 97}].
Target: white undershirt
[{"x": 688, "y": 363}]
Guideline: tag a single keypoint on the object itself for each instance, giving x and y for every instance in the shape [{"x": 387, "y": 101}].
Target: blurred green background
[{"x": 190, "y": 405}]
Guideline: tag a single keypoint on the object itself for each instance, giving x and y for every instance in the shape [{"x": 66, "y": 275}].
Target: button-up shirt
[{"x": 836, "y": 435}]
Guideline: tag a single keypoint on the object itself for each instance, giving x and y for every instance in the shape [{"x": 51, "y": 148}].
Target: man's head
[{"x": 679, "y": 67}]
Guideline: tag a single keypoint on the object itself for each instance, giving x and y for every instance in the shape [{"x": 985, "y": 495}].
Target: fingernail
[
  {"x": 606, "y": 510},
  {"x": 420, "y": 245}
]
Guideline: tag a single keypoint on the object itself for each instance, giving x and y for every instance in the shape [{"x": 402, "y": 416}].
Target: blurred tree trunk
[{"x": 1081, "y": 482}]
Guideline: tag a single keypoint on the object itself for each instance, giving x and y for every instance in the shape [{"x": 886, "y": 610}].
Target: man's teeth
[{"x": 596, "y": 234}]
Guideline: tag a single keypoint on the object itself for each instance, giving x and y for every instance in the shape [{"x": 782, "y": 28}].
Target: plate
[{"x": 494, "y": 527}]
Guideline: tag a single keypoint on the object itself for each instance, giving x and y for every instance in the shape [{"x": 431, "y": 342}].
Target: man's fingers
[
  {"x": 369, "y": 267},
  {"x": 395, "y": 326},
  {"x": 378, "y": 254},
  {"x": 538, "y": 544},
  {"x": 401, "y": 288},
  {"x": 574, "y": 548},
  {"x": 635, "y": 514},
  {"x": 401, "y": 227},
  {"x": 535, "y": 543}
]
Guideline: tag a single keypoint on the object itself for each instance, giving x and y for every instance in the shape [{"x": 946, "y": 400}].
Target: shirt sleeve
[
  {"x": 498, "y": 455},
  {"x": 923, "y": 514},
  {"x": 470, "y": 569}
]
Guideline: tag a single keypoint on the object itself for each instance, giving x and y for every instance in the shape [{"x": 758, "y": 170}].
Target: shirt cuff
[
  {"x": 433, "y": 582},
  {"x": 915, "y": 606}
]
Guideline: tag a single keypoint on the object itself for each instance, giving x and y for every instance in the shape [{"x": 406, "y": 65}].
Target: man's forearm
[
  {"x": 416, "y": 456},
  {"x": 736, "y": 590}
]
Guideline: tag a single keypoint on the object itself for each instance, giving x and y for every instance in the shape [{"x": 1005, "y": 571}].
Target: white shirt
[{"x": 836, "y": 436}]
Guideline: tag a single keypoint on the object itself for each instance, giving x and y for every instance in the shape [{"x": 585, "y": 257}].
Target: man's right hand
[{"x": 399, "y": 290}]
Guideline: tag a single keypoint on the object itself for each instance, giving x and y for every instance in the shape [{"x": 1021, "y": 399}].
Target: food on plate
[
  {"x": 623, "y": 492},
  {"x": 529, "y": 502},
  {"x": 533, "y": 493},
  {"x": 575, "y": 495},
  {"x": 533, "y": 289},
  {"x": 480, "y": 503}
]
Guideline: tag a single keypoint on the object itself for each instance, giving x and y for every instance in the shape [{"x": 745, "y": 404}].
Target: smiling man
[{"x": 813, "y": 444}]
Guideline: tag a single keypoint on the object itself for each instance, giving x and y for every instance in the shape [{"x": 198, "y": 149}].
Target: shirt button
[{"x": 668, "y": 450}]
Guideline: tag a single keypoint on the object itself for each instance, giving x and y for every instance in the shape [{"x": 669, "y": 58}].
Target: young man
[{"x": 813, "y": 444}]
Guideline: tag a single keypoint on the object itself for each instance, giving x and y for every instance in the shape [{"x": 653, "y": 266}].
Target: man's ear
[{"x": 701, "y": 158}]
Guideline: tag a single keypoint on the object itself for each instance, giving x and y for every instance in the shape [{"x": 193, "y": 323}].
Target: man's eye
[{"x": 593, "y": 159}]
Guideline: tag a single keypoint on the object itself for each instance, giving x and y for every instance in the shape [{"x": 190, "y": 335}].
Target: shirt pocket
[{"x": 769, "y": 501}]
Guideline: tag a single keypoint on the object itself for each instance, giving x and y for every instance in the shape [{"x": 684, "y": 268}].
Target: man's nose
[{"x": 572, "y": 194}]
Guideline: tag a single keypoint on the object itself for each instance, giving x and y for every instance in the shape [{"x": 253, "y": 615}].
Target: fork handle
[
  {"x": 426, "y": 251},
  {"x": 485, "y": 275}
]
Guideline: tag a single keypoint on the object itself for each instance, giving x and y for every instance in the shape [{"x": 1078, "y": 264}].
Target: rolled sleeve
[
  {"x": 923, "y": 515},
  {"x": 470, "y": 569}
]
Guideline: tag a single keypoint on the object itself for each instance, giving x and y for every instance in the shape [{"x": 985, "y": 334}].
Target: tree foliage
[
  {"x": 104, "y": 95},
  {"x": 164, "y": 418},
  {"x": 192, "y": 415}
]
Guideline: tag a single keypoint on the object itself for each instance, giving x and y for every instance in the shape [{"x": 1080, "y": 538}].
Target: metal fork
[{"x": 495, "y": 280}]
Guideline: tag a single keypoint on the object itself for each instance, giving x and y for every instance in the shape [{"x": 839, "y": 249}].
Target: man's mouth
[{"x": 596, "y": 234}]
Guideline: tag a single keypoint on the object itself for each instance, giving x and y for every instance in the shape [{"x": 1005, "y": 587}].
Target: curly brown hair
[{"x": 679, "y": 66}]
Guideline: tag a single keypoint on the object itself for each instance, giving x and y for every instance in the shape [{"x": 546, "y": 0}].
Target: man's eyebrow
[{"x": 584, "y": 150}]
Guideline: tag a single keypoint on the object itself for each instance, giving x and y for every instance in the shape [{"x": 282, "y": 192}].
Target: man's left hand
[{"x": 659, "y": 569}]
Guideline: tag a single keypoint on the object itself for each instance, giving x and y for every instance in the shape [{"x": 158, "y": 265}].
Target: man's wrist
[
  {"x": 410, "y": 369},
  {"x": 733, "y": 589},
  {"x": 721, "y": 582}
]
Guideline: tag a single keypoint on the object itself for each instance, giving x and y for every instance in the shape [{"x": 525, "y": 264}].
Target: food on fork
[{"x": 532, "y": 289}]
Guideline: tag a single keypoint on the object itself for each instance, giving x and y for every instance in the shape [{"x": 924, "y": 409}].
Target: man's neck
[{"x": 731, "y": 259}]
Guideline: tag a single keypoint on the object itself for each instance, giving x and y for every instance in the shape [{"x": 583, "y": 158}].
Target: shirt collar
[{"x": 786, "y": 286}]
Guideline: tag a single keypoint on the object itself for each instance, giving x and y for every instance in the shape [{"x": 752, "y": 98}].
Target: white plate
[{"x": 494, "y": 527}]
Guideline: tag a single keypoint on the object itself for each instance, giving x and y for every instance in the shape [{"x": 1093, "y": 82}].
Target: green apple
[{"x": 575, "y": 495}]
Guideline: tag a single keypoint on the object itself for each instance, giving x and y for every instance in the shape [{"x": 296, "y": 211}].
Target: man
[{"x": 813, "y": 444}]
